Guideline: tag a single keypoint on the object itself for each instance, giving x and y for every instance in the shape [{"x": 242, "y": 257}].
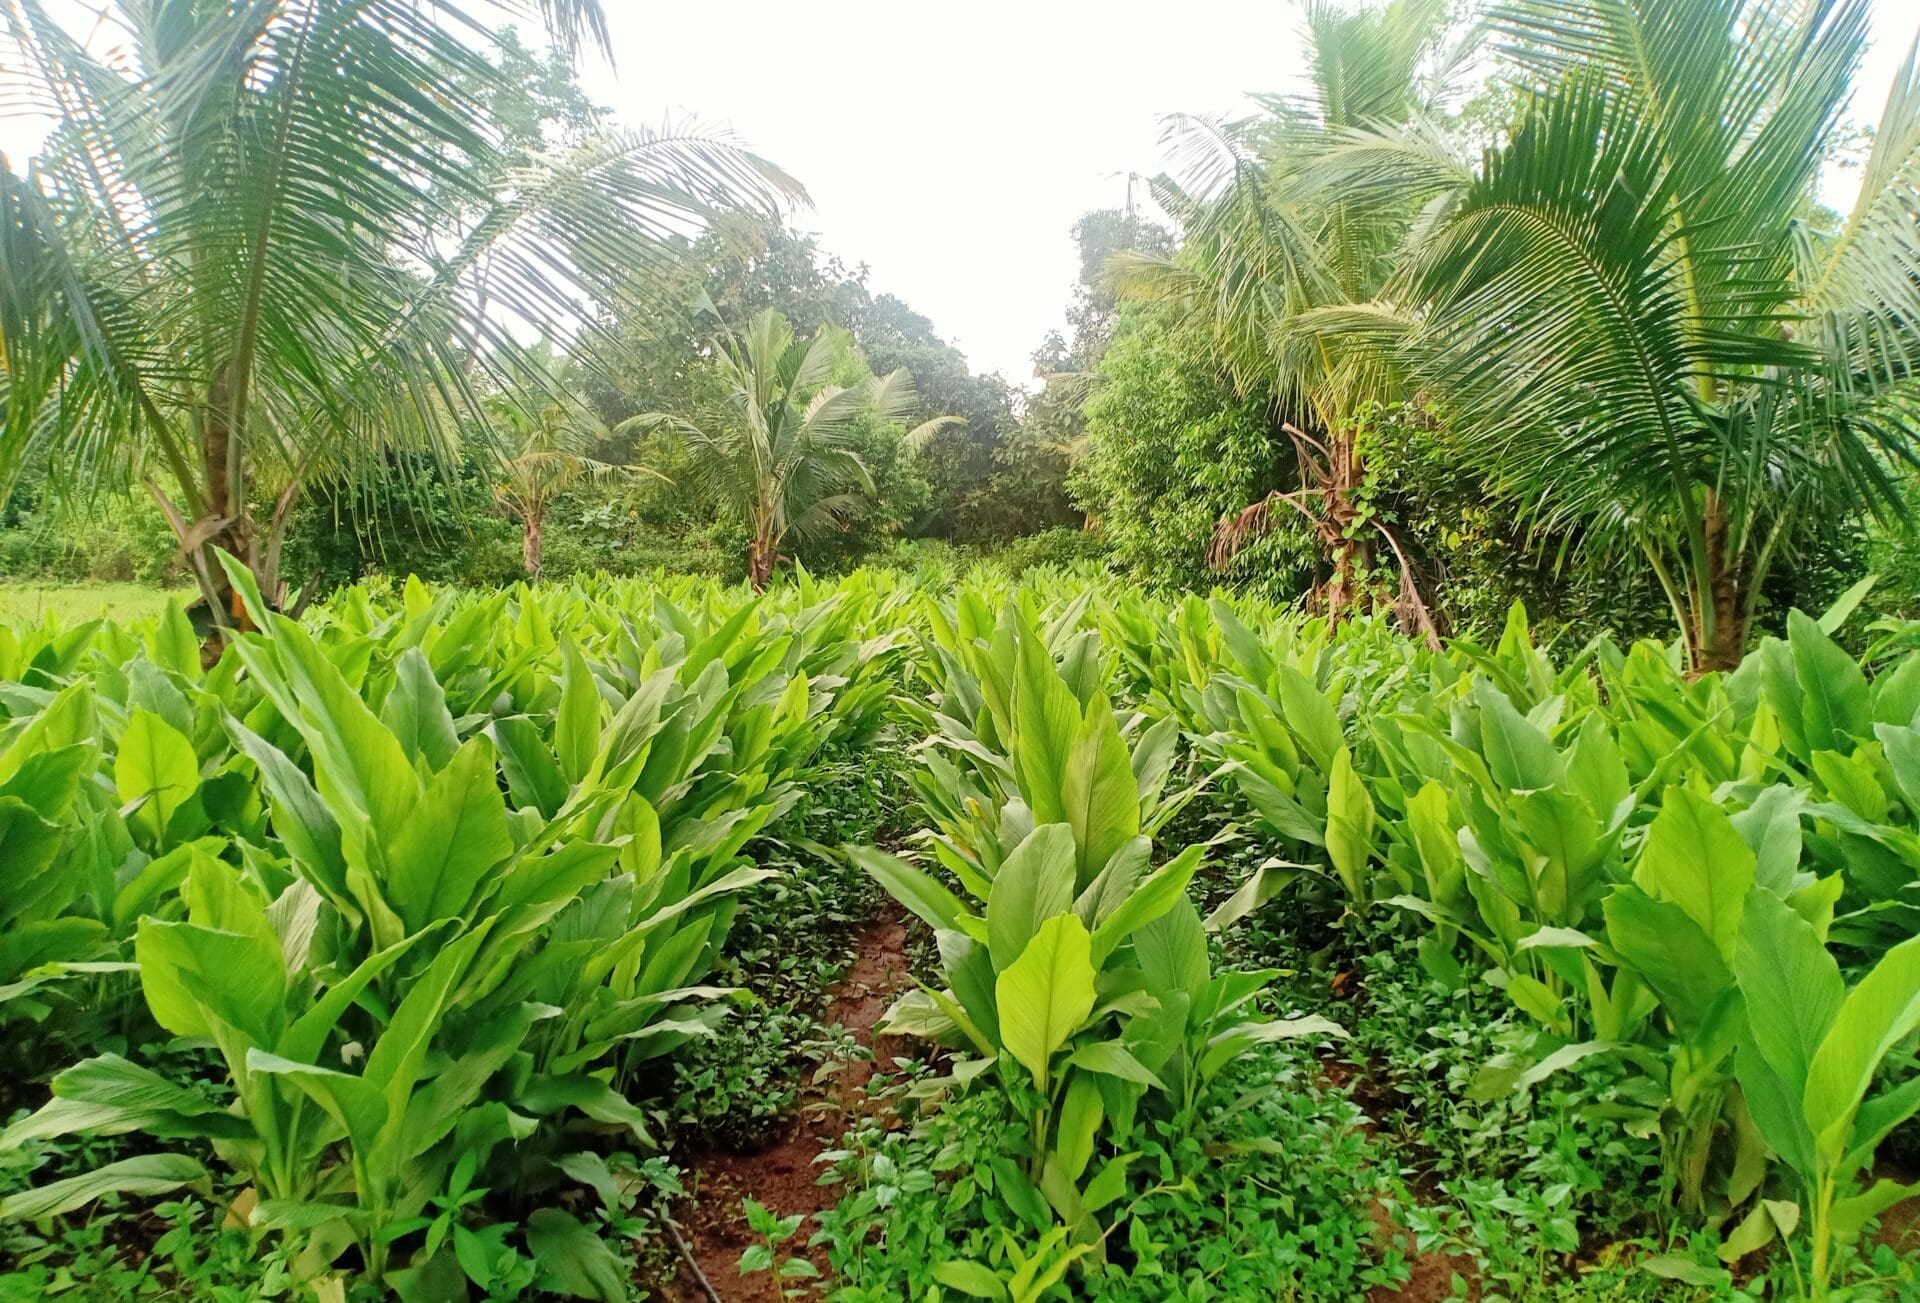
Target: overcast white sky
[{"x": 951, "y": 147}]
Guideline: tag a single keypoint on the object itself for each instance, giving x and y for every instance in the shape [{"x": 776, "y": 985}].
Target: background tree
[
  {"x": 1035, "y": 462},
  {"x": 1170, "y": 446},
  {"x": 781, "y": 444},
  {"x": 958, "y": 457},
  {"x": 1645, "y": 329},
  {"x": 280, "y": 240},
  {"x": 1292, "y": 276},
  {"x": 944, "y": 489},
  {"x": 546, "y": 437}
]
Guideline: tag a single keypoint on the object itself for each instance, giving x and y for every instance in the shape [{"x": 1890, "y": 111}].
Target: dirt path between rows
[
  {"x": 1430, "y": 1273},
  {"x": 784, "y": 1176}
]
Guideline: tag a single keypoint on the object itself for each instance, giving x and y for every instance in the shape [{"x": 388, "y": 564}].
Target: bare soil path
[{"x": 784, "y": 1176}]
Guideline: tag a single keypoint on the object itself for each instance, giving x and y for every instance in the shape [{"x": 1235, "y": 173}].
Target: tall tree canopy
[
  {"x": 280, "y": 238},
  {"x": 1293, "y": 276},
  {"x": 1643, "y": 325},
  {"x": 780, "y": 446}
]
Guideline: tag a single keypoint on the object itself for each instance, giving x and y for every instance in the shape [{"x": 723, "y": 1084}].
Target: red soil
[{"x": 784, "y": 1177}]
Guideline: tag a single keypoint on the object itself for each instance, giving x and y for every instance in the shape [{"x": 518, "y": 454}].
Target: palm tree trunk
[
  {"x": 532, "y": 538},
  {"x": 1718, "y": 637},
  {"x": 760, "y": 560},
  {"x": 1352, "y": 556},
  {"x": 225, "y": 525},
  {"x": 1343, "y": 589}
]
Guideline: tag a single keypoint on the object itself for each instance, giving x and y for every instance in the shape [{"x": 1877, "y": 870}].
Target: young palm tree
[
  {"x": 546, "y": 441},
  {"x": 780, "y": 449},
  {"x": 269, "y": 239},
  {"x": 1646, "y": 329},
  {"x": 1292, "y": 277}
]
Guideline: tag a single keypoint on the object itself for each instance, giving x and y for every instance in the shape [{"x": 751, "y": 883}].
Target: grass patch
[{"x": 73, "y": 603}]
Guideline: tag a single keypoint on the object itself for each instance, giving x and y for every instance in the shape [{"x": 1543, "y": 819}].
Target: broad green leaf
[
  {"x": 546, "y": 882},
  {"x": 1046, "y": 994},
  {"x": 970, "y": 970},
  {"x": 573, "y": 1260},
  {"x": 1836, "y": 704},
  {"x": 1556, "y": 938},
  {"x": 1099, "y": 793},
  {"x": 1520, "y": 755},
  {"x": 189, "y": 972},
  {"x": 1047, "y": 719},
  {"x": 305, "y": 1039},
  {"x": 1878, "y": 1013},
  {"x": 1563, "y": 831},
  {"x": 161, "y": 876},
  {"x": 1595, "y": 770},
  {"x": 355, "y": 1103},
  {"x": 576, "y": 727},
  {"x": 1694, "y": 858},
  {"x": 221, "y": 899},
  {"x": 939, "y": 907},
  {"x": 1850, "y": 1215},
  {"x": 1020, "y": 1193},
  {"x": 1034, "y": 884},
  {"x": 1792, "y": 986},
  {"x": 1844, "y": 605},
  {"x": 300, "y": 818},
  {"x": 358, "y": 765},
  {"x": 147, "y": 1174},
  {"x": 1350, "y": 826},
  {"x": 1537, "y": 1000},
  {"x": 1078, "y": 1123},
  {"x": 1115, "y": 882},
  {"x": 455, "y": 836},
  {"x": 156, "y": 766},
  {"x": 172, "y": 643},
  {"x": 1667, "y": 948},
  {"x": 29, "y": 874},
  {"x": 1771, "y": 829},
  {"x": 533, "y": 776},
  {"x": 1235, "y": 1041},
  {"x": 1896, "y": 694},
  {"x": 303, "y": 1215},
  {"x": 1687, "y": 1271},
  {"x": 592, "y": 1097},
  {"x": 1115, "y": 1060},
  {"x": 1172, "y": 952},
  {"x": 1267, "y": 881},
  {"x": 108, "y": 1095},
  {"x": 1902, "y": 747},
  {"x": 973, "y": 1279},
  {"x": 1163, "y": 889},
  {"x": 1310, "y": 713},
  {"x": 1564, "y": 1057},
  {"x": 1429, "y": 820},
  {"x": 415, "y": 711}
]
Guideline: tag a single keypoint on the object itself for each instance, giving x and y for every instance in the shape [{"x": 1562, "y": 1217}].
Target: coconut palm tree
[
  {"x": 1292, "y": 277},
  {"x": 273, "y": 239},
  {"x": 545, "y": 448},
  {"x": 780, "y": 447},
  {"x": 1647, "y": 331}
]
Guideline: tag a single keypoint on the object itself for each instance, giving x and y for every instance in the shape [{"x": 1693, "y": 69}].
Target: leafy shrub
[
  {"x": 1277, "y": 1201},
  {"x": 107, "y": 538},
  {"x": 1170, "y": 450},
  {"x": 429, "y": 878},
  {"x": 1061, "y": 547}
]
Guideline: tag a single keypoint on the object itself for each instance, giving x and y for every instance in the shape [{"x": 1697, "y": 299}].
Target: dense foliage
[
  {"x": 386, "y": 928},
  {"x": 1385, "y": 819}
]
